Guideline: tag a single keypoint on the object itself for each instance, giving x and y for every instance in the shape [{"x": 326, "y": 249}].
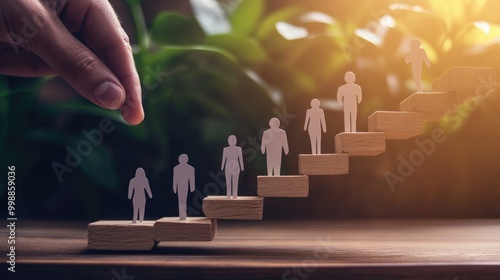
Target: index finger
[{"x": 103, "y": 34}]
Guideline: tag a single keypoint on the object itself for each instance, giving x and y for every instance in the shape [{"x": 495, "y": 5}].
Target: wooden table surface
[{"x": 397, "y": 249}]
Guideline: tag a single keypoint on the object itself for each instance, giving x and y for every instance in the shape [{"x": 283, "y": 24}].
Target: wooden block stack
[
  {"x": 360, "y": 143},
  {"x": 283, "y": 186},
  {"x": 241, "y": 208},
  {"x": 466, "y": 82},
  {"x": 192, "y": 229},
  {"x": 456, "y": 85},
  {"x": 396, "y": 125},
  {"x": 433, "y": 105},
  {"x": 325, "y": 164},
  {"x": 121, "y": 236}
]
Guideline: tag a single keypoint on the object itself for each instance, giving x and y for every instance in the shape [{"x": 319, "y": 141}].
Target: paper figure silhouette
[
  {"x": 136, "y": 189},
  {"x": 349, "y": 96},
  {"x": 274, "y": 141},
  {"x": 183, "y": 181},
  {"x": 415, "y": 57},
  {"x": 315, "y": 122},
  {"x": 232, "y": 163}
]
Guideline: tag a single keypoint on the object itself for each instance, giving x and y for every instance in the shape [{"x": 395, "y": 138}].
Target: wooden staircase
[{"x": 456, "y": 86}]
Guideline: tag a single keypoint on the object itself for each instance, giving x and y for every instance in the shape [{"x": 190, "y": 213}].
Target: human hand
[{"x": 38, "y": 38}]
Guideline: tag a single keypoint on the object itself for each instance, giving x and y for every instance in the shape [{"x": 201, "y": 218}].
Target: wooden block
[
  {"x": 283, "y": 186},
  {"x": 241, "y": 208},
  {"x": 434, "y": 105},
  {"x": 192, "y": 229},
  {"x": 360, "y": 143},
  {"x": 325, "y": 164},
  {"x": 464, "y": 79},
  {"x": 121, "y": 235},
  {"x": 396, "y": 125}
]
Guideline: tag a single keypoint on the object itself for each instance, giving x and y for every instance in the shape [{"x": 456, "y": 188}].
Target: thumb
[{"x": 77, "y": 65}]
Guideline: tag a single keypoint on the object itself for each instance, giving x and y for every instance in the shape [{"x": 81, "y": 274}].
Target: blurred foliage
[{"x": 221, "y": 71}]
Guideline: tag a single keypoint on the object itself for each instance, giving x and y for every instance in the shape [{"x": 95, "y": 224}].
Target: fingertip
[
  {"x": 110, "y": 95},
  {"x": 133, "y": 116}
]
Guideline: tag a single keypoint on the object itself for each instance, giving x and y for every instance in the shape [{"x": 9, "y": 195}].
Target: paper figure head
[
  {"x": 315, "y": 103},
  {"x": 350, "y": 77},
  {"x": 140, "y": 173},
  {"x": 231, "y": 140},
  {"x": 274, "y": 123},
  {"x": 415, "y": 43},
  {"x": 183, "y": 159}
]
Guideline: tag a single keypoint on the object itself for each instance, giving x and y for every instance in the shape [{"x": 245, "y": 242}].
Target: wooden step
[
  {"x": 434, "y": 105},
  {"x": 121, "y": 235},
  {"x": 241, "y": 208},
  {"x": 283, "y": 186},
  {"x": 396, "y": 125},
  {"x": 325, "y": 164},
  {"x": 466, "y": 82},
  {"x": 192, "y": 229},
  {"x": 360, "y": 143}
]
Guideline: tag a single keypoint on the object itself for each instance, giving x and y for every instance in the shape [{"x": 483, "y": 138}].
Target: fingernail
[{"x": 110, "y": 95}]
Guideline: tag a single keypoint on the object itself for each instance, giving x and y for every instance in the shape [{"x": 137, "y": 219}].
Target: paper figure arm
[
  {"x": 340, "y": 97},
  {"x": 285, "y": 143},
  {"x": 322, "y": 120},
  {"x": 148, "y": 189},
  {"x": 308, "y": 117},
  {"x": 224, "y": 158},
  {"x": 240, "y": 159},
  {"x": 359, "y": 95},
  {"x": 426, "y": 59},
  {"x": 130, "y": 189},
  {"x": 191, "y": 179},
  {"x": 175, "y": 180}
]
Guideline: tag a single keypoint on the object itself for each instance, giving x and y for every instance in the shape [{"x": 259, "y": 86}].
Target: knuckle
[{"x": 82, "y": 65}]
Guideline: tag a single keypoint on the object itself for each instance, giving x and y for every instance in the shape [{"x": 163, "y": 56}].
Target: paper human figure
[
  {"x": 274, "y": 141},
  {"x": 183, "y": 182},
  {"x": 349, "y": 96},
  {"x": 232, "y": 164},
  {"x": 136, "y": 188},
  {"x": 416, "y": 56},
  {"x": 314, "y": 124}
]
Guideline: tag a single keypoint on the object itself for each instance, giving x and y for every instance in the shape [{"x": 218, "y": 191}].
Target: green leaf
[
  {"x": 99, "y": 166},
  {"x": 246, "y": 15},
  {"x": 169, "y": 55},
  {"x": 84, "y": 107},
  {"x": 267, "y": 27},
  {"x": 247, "y": 50},
  {"x": 176, "y": 29},
  {"x": 210, "y": 16}
]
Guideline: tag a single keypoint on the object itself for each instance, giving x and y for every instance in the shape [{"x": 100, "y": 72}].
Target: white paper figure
[
  {"x": 136, "y": 189},
  {"x": 315, "y": 122},
  {"x": 273, "y": 142},
  {"x": 232, "y": 163},
  {"x": 415, "y": 57},
  {"x": 349, "y": 96},
  {"x": 183, "y": 180}
]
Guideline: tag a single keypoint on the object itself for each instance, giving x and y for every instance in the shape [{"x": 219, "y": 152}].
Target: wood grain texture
[
  {"x": 121, "y": 236},
  {"x": 192, "y": 229},
  {"x": 360, "y": 249},
  {"x": 360, "y": 143},
  {"x": 396, "y": 125},
  {"x": 467, "y": 82},
  {"x": 434, "y": 105},
  {"x": 283, "y": 186},
  {"x": 325, "y": 164},
  {"x": 241, "y": 208}
]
